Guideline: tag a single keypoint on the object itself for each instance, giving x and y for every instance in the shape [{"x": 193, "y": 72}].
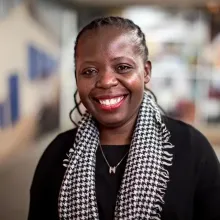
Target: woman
[{"x": 125, "y": 160}]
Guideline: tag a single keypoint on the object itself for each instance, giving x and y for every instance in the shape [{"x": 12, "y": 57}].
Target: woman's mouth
[{"x": 110, "y": 103}]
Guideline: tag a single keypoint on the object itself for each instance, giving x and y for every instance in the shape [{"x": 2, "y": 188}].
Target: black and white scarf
[{"x": 145, "y": 178}]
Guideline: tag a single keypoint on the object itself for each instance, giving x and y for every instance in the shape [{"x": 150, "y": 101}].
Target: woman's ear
[{"x": 147, "y": 72}]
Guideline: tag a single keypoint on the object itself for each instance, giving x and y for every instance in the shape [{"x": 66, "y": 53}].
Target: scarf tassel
[{"x": 167, "y": 158}]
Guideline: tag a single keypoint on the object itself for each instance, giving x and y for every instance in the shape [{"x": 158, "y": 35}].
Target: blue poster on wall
[
  {"x": 40, "y": 64},
  {"x": 14, "y": 97},
  {"x": 33, "y": 63}
]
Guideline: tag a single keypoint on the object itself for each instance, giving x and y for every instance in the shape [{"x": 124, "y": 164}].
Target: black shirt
[
  {"x": 193, "y": 192},
  {"x": 107, "y": 185}
]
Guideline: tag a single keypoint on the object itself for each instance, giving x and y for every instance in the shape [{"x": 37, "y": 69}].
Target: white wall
[
  {"x": 17, "y": 30},
  {"x": 68, "y": 86}
]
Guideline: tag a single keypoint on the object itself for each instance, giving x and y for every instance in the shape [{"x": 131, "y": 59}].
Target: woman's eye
[
  {"x": 89, "y": 72},
  {"x": 123, "y": 68}
]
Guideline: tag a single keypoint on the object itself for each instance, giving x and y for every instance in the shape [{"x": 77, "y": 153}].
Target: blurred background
[{"x": 37, "y": 75}]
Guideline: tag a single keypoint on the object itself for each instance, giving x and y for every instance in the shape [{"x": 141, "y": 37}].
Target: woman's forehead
[
  {"x": 100, "y": 31},
  {"x": 105, "y": 40}
]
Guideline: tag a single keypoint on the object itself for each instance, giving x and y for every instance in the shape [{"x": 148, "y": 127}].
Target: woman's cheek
[{"x": 135, "y": 81}]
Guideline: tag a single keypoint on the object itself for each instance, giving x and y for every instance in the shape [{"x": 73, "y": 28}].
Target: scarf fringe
[
  {"x": 167, "y": 158},
  {"x": 156, "y": 217}
]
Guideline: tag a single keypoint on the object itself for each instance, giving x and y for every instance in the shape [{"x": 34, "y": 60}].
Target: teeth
[{"x": 111, "y": 101}]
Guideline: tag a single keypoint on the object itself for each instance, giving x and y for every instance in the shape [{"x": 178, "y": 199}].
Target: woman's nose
[{"x": 106, "y": 80}]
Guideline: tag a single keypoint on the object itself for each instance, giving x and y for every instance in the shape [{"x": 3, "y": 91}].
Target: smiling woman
[
  {"x": 125, "y": 160},
  {"x": 110, "y": 64}
]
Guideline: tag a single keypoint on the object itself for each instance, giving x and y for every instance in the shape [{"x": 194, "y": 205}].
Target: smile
[{"x": 111, "y": 103}]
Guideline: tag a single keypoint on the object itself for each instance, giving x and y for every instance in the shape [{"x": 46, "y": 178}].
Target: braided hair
[{"x": 122, "y": 24}]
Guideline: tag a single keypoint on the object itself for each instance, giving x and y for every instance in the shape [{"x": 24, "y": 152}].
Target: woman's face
[{"x": 111, "y": 75}]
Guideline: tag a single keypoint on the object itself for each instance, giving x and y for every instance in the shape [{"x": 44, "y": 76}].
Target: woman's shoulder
[
  {"x": 187, "y": 138},
  {"x": 56, "y": 150},
  {"x": 67, "y": 136},
  {"x": 52, "y": 159},
  {"x": 180, "y": 128},
  {"x": 61, "y": 143}
]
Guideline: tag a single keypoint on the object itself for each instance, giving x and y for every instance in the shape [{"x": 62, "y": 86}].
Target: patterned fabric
[{"x": 145, "y": 178}]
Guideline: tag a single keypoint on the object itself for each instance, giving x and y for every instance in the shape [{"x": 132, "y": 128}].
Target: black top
[
  {"x": 107, "y": 185},
  {"x": 193, "y": 192}
]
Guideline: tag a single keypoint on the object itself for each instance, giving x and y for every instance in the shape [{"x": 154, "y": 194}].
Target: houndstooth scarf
[{"x": 145, "y": 178}]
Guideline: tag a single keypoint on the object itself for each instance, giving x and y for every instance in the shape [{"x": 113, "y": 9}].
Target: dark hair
[
  {"x": 118, "y": 22},
  {"x": 122, "y": 24}
]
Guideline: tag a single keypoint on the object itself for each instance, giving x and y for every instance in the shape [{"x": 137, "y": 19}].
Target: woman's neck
[{"x": 117, "y": 136}]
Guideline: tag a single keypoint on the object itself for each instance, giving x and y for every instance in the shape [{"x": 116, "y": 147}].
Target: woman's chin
[{"x": 111, "y": 121}]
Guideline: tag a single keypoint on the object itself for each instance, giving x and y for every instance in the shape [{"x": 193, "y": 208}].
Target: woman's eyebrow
[
  {"x": 123, "y": 58},
  {"x": 89, "y": 62},
  {"x": 93, "y": 62}
]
